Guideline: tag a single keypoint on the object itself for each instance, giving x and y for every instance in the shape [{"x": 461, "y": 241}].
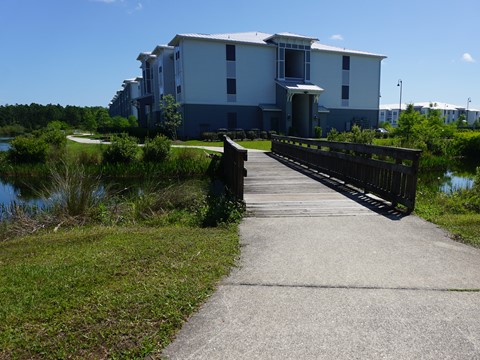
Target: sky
[{"x": 78, "y": 52}]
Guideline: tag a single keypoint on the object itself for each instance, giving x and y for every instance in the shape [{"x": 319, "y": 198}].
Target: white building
[
  {"x": 124, "y": 102},
  {"x": 450, "y": 113},
  {"x": 284, "y": 82}
]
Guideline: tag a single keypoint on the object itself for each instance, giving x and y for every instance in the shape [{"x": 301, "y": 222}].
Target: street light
[
  {"x": 469, "y": 100},
  {"x": 400, "y": 83}
]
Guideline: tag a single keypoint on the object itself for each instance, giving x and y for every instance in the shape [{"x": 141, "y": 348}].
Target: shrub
[
  {"x": 54, "y": 137},
  {"x": 221, "y": 132},
  {"x": 209, "y": 136},
  {"x": 318, "y": 132},
  {"x": 156, "y": 150},
  {"x": 240, "y": 134},
  {"x": 263, "y": 135},
  {"x": 467, "y": 144},
  {"x": 251, "y": 135},
  {"x": 123, "y": 149},
  {"x": 27, "y": 149},
  {"x": 271, "y": 132}
]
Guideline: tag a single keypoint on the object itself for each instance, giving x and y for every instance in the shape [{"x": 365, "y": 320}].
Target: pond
[
  {"x": 27, "y": 192},
  {"x": 458, "y": 176},
  {"x": 4, "y": 144}
]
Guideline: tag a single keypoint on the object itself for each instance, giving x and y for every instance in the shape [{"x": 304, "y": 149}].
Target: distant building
[
  {"x": 284, "y": 82},
  {"x": 450, "y": 113},
  {"x": 124, "y": 102}
]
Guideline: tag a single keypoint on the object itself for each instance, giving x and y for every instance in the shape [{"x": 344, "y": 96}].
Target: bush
[
  {"x": 156, "y": 150},
  {"x": 27, "y": 149},
  {"x": 221, "y": 133},
  {"x": 209, "y": 136},
  {"x": 251, "y": 135},
  {"x": 240, "y": 134},
  {"x": 318, "y": 132},
  {"x": 271, "y": 132},
  {"x": 467, "y": 144},
  {"x": 123, "y": 149},
  {"x": 263, "y": 135},
  {"x": 55, "y": 137}
]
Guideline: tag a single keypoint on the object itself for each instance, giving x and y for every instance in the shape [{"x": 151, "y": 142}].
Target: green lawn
[
  {"x": 248, "y": 144},
  {"x": 106, "y": 292}
]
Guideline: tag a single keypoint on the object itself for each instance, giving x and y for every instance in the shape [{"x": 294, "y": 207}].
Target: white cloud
[
  {"x": 139, "y": 7},
  {"x": 336, "y": 37},
  {"x": 468, "y": 58}
]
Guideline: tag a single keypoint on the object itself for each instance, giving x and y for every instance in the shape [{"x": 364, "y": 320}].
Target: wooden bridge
[{"x": 305, "y": 177}]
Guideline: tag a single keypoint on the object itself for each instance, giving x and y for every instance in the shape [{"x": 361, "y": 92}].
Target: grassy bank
[
  {"x": 106, "y": 292},
  {"x": 181, "y": 163},
  {"x": 452, "y": 212}
]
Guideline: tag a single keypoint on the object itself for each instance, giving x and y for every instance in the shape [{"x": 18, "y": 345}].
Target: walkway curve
[{"x": 219, "y": 149}]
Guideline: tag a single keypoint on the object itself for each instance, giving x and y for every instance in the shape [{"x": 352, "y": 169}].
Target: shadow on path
[{"x": 369, "y": 201}]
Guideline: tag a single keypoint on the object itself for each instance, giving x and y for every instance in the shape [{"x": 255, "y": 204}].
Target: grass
[
  {"x": 248, "y": 144},
  {"x": 106, "y": 292},
  {"x": 457, "y": 212}
]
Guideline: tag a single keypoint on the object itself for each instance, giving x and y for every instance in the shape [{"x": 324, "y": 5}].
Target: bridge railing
[
  {"x": 234, "y": 157},
  {"x": 388, "y": 172}
]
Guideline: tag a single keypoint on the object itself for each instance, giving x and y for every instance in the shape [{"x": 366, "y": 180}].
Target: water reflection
[
  {"x": 4, "y": 144},
  {"x": 459, "y": 176}
]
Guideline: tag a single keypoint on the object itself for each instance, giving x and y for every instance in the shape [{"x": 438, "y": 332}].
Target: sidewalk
[
  {"x": 209, "y": 148},
  {"x": 355, "y": 285}
]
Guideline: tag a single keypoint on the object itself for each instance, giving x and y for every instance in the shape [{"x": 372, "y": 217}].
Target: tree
[
  {"x": 132, "y": 121},
  {"x": 89, "y": 120},
  {"x": 407, "y": 121},
  {"x": 171, "y": 116}
]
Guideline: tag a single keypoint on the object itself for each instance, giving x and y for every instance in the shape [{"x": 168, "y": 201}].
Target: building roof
[
  {"x": 260, "y": 38},
  {"x": 158, "y": 49},
  {"x": 288, "y": 35}
]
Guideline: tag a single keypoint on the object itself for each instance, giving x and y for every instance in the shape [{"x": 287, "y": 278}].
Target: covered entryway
[
  {"x": 300, "y": 101},
  {"x": 302, "y": 114}
]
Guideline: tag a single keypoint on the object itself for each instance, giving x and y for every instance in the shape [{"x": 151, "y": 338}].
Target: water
[
  {"x": 4, "y": 144},
  {"x": 459, "y": 176}
]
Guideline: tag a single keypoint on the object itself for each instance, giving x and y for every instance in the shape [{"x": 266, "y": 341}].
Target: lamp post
[
  {"x": 469, "y": 100},
  {"x": 400, "y": 83}
]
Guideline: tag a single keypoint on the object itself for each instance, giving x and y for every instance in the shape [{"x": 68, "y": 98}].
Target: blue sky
[{"x": 78, "y": 52}]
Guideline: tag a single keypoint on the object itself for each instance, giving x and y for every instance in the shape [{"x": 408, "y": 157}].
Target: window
[
  {"x": 345, "y": 92},
  {"x": 230, "y": 52},
  {"x": 177, "y": 55},
  {"x": 294, "y": 64},
  {"x": 346, "y": 63},
  {"x": 231, "y": 86},
  {"x": 179, "y": 89},
  {"x": 159, "y": 69}
]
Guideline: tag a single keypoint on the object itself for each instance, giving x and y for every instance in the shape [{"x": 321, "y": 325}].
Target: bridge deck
[{"x": 278, "y": 188}]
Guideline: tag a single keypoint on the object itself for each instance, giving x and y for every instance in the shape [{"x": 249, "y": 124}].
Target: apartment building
[
  {"x": 390, "y": 112},
  {"x": 284, "y": 82},
  {"x": 124, "y": 102}
]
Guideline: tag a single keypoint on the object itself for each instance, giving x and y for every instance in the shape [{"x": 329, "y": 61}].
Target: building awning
[
  {"x": 269, "y": 107},
  {"x": 300, "y": 88},
  {"x": 323, "y": 109},
  {"x": 294, "y": 88}
]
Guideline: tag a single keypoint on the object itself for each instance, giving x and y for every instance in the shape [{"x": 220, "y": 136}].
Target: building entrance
[{"x": 302, "y": 115}]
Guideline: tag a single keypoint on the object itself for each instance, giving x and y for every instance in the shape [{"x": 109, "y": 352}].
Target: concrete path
[
  {"x": 219, "y": 149},
  {"x": 348, "y": 279}
]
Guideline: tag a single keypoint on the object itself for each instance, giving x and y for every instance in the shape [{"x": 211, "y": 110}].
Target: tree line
[{"x": 18, "y": 119}]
